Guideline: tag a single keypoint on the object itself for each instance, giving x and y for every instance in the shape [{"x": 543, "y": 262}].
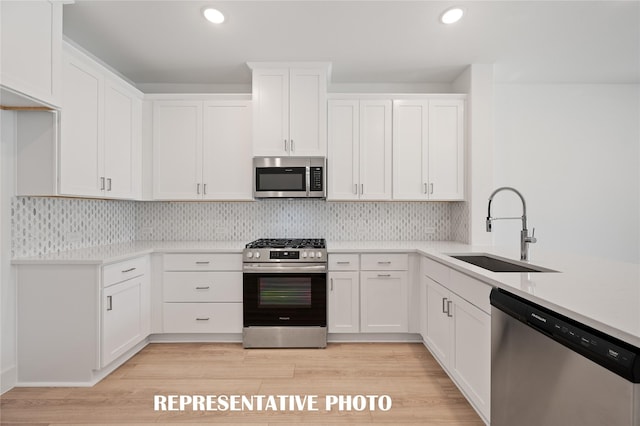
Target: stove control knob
[
  {"x": 249, "y": 254},
  {"x": 257, "y": 255},
  {"x": 304, "y": 254},
  {"x": 319, "y": 254},
  {"x": 312, "y": 255}
]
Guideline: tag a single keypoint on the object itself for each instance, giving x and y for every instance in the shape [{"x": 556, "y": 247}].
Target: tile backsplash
[{"x": 44, "y": 225}]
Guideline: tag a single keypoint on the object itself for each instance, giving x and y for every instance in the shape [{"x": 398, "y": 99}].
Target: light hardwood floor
[{"x": 421, "y": 392}]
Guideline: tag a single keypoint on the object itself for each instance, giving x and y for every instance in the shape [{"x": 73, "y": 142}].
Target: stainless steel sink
[{"x": 498, "y": 264}]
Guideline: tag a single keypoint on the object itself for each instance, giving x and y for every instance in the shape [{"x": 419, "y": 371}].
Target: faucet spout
[{"x": 525, "y": 239}]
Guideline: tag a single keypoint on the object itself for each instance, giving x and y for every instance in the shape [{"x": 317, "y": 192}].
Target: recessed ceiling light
[
  {"x": 213, "y": 15},
  {"x": 452, "y": 15}
]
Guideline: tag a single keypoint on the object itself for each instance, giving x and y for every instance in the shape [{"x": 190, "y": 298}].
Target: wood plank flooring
[{"x": 421, "y": 392}]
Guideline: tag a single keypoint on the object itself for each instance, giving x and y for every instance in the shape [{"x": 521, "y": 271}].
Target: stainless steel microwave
[{"x": 289, "y": 177}]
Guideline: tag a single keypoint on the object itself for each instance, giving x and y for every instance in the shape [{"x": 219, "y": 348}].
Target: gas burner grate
[{"x": 289, "y": 243}]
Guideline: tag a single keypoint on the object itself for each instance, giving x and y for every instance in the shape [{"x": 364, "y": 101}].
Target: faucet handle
[{"x": 532, "y": 239}]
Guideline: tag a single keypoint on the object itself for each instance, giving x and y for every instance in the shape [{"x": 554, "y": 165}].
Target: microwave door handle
[{"x": 308, "y": 180}]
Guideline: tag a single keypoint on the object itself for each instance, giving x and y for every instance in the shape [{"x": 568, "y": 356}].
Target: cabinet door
[
  {"x": 344, "y": 142},
  {"x": 271, "y": 112},
  {"x": 81, "y": 138},
  {"x": 438, "y": 336},
  {"x": 446, "y": 150},
  {"x": 470, "y": 362},
  {"x": 344, "y": 302},
  {"x": 30, "y": 49},
  {"x": 177, "y": 150},
  {"x": 125, "y": 319},
  {"x": 307, "y": 112},
  {"x": 375, "y": 150},
  {"x": 384, "y": 303},
  {"x": 119, "y": 141},
  {"x": 227, "y": 151},
  {"x": 410, "y": 150}
]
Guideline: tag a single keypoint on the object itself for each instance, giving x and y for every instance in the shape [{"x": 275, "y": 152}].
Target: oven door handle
[{"x": 284, "y": 269}]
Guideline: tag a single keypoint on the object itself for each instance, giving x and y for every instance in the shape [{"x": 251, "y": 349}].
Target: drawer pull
[
  {"x": 109, "y": 303},
  {"x": 203, "y": 288},
  {"x": 386, "y": 262},
  {"x": 128, "y": 270},
  {"x": 384, "y": 275},
  {"x": 344, "y": 263},
  {"x": 203, "y": 262},
  {"x": 202, "y": 319}
]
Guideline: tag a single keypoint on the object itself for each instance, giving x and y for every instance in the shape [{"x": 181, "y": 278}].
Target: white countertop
[{"x": 601, "y": 293}]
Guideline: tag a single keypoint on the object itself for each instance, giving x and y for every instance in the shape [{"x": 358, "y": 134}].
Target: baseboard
[
  {"x": 374, "y": 338},
  {"x": 8, "y": 379},
  {"x": 196, "y": 338}
]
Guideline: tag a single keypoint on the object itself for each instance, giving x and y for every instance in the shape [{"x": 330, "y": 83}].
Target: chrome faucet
[{"x": 525, "y": 239}]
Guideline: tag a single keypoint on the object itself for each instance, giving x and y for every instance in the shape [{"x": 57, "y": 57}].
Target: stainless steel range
[{"x": 285, "y": 293}]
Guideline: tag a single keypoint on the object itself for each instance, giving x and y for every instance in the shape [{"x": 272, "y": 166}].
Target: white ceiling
[{"x": 394, "y": 41}]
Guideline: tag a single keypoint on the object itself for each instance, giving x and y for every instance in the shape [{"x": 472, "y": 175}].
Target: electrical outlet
[
  {"x": 430, "y": 230},
  {"x": 74, "y": 237},
  {"x": 146, "y": 232}
]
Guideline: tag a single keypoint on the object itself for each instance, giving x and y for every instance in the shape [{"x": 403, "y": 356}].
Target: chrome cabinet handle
[
  {"x": 355, "y": 188},
  {"x": 198, "y": 188},
  {"x": 385, "y": 262},
  {"x": 102, "y": 183},
  {"x": 108, "y": 184},
  {"x": 384, "y": 275},
  {"x": 128, "y": 270},
  {"x": 285, "y": 146},
  {"x": 331, "y": 289},
  {"x": 109, "y": 303},
  {"x": 202, "y": 262},
  {"x": 449, "y": 314},
  {"x": 444, "y": 305},
  {"x": 343, "y": 263},
  {"x": 203, "y": 288},
  {"x": 202, "y": 319},
  {"x": 424, "y": 187},
  {"x": 362, "y": 189},
  {"x": 431, "y": 188},
  {"x": 204, "y": 188}
]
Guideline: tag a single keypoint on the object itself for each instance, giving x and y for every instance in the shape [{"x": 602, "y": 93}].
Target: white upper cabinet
[
  {"x": 30, "y": 49},
  {"x": 428, "y": 149},
  {"x": 290, "y": 110},
  {"x": 359, "y": 158},
  {"x": 100, "y": 137},
  {"x": 202, "y": 150}
]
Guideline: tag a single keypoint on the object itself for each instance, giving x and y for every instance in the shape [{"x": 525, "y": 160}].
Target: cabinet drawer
[
  {"x": 121, "y": 271},
  {"x": 202, "y": 287},
  {"x": 436, "y": 271},
  {"x": 474, "y": 291},
  {"x": 384, "y": 262},
  {"x": 202, "y": 317},
  {"x": 344, "y": 262},
  {"x": 203, "y": 262}
]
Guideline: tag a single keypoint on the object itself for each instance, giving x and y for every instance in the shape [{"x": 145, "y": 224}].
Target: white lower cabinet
[
  {"x": 125, "y": 317},
  {"x": 202, "y": 293},
  {"x": 78, "y": 322},
  {"x": 458, "y": 332},
  {"x": 344, "y": 302},
  {"x": 384, "y": 302}
]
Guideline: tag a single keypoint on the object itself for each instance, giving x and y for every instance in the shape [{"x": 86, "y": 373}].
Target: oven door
[{"x": 284, "y": 299}]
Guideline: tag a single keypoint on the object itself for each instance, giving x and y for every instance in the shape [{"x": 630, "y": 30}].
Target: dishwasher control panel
[{"x": 609, "y": 352}]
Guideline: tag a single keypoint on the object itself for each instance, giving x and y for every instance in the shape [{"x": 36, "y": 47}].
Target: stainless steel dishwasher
[{"x": 549, "y": 370}]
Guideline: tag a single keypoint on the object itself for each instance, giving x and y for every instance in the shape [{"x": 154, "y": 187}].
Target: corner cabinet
[
  {"x": 202, "y": 150},
  {"x": 359, "y": 150},
  {"x": 289, "y": 109},
  {"x": 30, "y": 49},
  {"x": 79, "y": 322},
  {"x": 428, "y": 149},
  {"x": 93, "y": 147},
  {"x": 457, "y": 330}
]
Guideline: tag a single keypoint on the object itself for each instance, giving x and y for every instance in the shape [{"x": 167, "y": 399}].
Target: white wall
[
  {"x": 573, "y": 151},
  {"x": 7, "y": 279}
]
